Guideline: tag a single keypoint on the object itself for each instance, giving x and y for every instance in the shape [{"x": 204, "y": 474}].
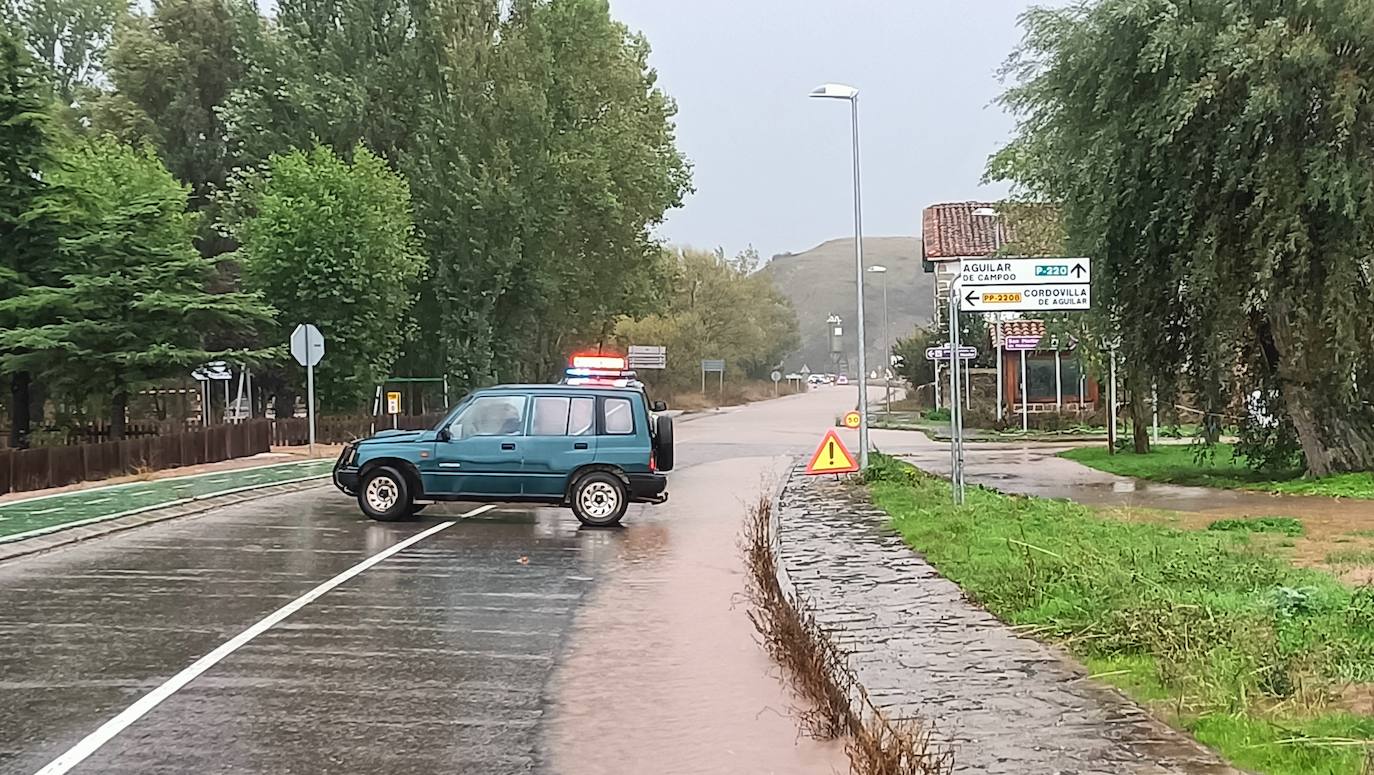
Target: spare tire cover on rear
[{"x": 663, "y": 442}]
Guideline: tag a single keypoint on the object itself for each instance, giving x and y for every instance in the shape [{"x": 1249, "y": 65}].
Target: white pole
[
  {"x": 956, "y": 440},
  {"x": 250, "y": 390},
  {"x": 968, "y": 379},
  {"x": 1111, "y": 403},
  {"x": 310, "y": 392},
  {"x": 1058, "y": 382},
  {"x": 226, "y": 398},
  {"x": 937, "y": 384},
  {"x": 887, "y": 351},
  {"x": 238, "y": 395},
  {"x": 859, "y": 290},
  {"x": 1025, "y": 417},
  {"x": 1000, "y": 389},
  {"x": 1154, "y": 415}
]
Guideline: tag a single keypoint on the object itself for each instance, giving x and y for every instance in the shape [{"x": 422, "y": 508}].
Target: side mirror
[{"x": 658, "y": 406}]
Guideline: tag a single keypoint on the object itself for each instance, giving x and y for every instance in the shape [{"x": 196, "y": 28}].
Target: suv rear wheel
[
  {"x": 599, "y": 499},
  {"x": 384, "y": 494}
]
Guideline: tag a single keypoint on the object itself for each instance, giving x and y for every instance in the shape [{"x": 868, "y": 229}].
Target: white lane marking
[
  {"x": 45, "y": 511},
  {"x": 92, "y": 742}
]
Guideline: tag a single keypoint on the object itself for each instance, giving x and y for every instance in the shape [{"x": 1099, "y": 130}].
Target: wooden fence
[
  {"x": 340, "y": 430},
  {"x": 43, "y": 467}
]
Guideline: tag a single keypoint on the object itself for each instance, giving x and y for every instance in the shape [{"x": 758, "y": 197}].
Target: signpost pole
[
  {"x": 310, "y": 394},
  {"x": 1000, "y": 389},
  {"x": 956, "y": 412},
  {"x": 1058, "y": 381},
  {"x": 968, "y": 381},
  {"x": 1154, "y": 415},
  {"x": 1111, "y": 404},
  {"x": 1025, "y": 416},
  {"x": 937, "y": 384}
]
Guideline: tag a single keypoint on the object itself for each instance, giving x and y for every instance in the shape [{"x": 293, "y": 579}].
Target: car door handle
[
  {"x": 507, "y": 445},
  {"x": 580, "y": 445}
]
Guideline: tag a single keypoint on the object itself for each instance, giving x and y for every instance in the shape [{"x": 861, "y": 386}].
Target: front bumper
[
  {"x": 648, "y": 488},
  {"x": 345, "y": 474}
]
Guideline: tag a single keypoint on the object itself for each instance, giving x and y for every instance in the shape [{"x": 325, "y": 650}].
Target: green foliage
[
  {"x": 174, "y": 68},
  {"x": 716, "y": 308},
  {"x": 1217, "y": 161},
  {"x": 539, "y": 149},
  {"x": 131, "y": 303},
  {"x": 912, "y": 365},
  {"x": 332, "y": 242},
  {"x": 69, "y": 36},
  {"x": 1199, "y": 617},
  {"x": 1283, "y": 525},
  {"x": 1220, "y": 466}
]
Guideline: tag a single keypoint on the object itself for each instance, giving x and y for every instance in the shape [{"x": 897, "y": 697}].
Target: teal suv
[{"x": 596, "y": 449}]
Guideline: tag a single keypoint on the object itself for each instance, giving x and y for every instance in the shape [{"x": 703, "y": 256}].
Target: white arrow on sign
[
  {"x": 307, "y": 344},
  {"x": 1025, "y": 298},
  {"x": 1025, "y": 271}
]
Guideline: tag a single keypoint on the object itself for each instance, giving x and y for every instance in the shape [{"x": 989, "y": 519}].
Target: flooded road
[
  {"x": 1036, "y": 470},
  {"x": 508, "y": 642}
]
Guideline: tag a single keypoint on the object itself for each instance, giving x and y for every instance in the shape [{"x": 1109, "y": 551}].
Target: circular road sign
[
  {"x": 777, "y": 376},
  {"x": 851, "y": 419}
]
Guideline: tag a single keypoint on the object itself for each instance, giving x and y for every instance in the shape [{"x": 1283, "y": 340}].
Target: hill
[{"x": 820, "y": 282}]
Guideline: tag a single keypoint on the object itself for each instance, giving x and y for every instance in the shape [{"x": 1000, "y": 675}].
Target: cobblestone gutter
[{"x": 1005, "y": 703}]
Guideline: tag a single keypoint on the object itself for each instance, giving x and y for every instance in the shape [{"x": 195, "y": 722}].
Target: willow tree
[{"x": 1217, "y": 161}]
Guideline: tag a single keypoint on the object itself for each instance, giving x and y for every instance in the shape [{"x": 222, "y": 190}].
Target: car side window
[
  {"x": 550, "y": 416},
  {"x": 491, "y": 416},
  {"x": 582, "y": 417},
  {"x": 619, "y": 416}
]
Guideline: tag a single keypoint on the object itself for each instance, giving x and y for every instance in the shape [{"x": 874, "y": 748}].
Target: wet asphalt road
[{"x": 446, "y": 657}]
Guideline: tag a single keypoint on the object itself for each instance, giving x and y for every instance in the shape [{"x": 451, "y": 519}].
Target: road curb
[{"x": 84, "y": 530}]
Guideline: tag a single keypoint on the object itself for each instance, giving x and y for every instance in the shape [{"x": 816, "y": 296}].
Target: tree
[
  {"x": 69, "y": 36},
  {"x": 132, "y": 306},
  {"x": 1217, "y": 161},
  {"x": 715, "y": 308},
  {"x": 912, "y": 364},
  {"x": 332, "y": 242},
  {"x": 539, "y": 149},
  {"x": 174, "y": 69},
  {"x": 28, "y": 227}
]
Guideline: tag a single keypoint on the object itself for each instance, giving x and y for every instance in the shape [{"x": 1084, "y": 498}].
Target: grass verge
[
  {"x": 1219, "y": 467},
  {"x": 1236, "y": 646}
]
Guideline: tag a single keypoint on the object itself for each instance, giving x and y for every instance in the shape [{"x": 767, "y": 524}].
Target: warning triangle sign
[{"x": 831, "y": 457}]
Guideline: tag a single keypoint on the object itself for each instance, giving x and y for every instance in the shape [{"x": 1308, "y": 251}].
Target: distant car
[
  {"x": 816, "y": 379},
  {"x": 593, "y": 448},
  {"x": 842, "y": 380}
]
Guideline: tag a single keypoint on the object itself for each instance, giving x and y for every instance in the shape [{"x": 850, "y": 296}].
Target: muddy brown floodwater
[{"x": 662, "y": 673}]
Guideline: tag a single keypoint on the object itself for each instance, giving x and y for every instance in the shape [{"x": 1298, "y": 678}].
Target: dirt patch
[{"x": 1333, "y": 539}]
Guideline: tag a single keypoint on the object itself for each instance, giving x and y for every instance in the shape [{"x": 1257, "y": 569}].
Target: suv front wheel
[
  {"x": 599, "y": 499},
  {"x": 384, "y": 494}
]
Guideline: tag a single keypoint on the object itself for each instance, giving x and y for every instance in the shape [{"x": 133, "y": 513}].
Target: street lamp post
[
  {"x": 887, "y": 341},
  {"x": 838, "y": 91}
]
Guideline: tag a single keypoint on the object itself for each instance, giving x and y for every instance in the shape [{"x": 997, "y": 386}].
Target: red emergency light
[{"x": 606, "y": 362}]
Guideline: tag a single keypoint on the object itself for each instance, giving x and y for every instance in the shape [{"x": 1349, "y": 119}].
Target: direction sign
[
  {"x": 307, "y": 344},
  {"x": 214, "y": 370},
  {"x": 647, "y": 357},
  {"x": 1026, "y": 297},
  {"x": 941, "y": 353},
  {"x": 1021, "y": 343},
  {"x": 831, "y": 457},
  {"x": 1025, "y": 271}
]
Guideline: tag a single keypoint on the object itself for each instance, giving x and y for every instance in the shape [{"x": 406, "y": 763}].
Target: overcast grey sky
[{"x": 771, "y": 167}]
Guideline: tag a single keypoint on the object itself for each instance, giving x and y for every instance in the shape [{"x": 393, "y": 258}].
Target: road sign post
[
  {"x": 716, "y": 366},
  {"x": 307, "y": 347},
  {"x": 647, "y": 357},
  {"x": 777, "y": 377}
]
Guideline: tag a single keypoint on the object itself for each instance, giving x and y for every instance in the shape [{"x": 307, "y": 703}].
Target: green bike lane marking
[{"x": 46, "y": 513}]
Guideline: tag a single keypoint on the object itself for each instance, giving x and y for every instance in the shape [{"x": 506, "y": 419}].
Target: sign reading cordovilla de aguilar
[{"x": 1025, "y": 284}]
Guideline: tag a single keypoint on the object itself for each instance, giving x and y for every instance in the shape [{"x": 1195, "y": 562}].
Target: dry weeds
[{"x": 835, "y": 704}]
